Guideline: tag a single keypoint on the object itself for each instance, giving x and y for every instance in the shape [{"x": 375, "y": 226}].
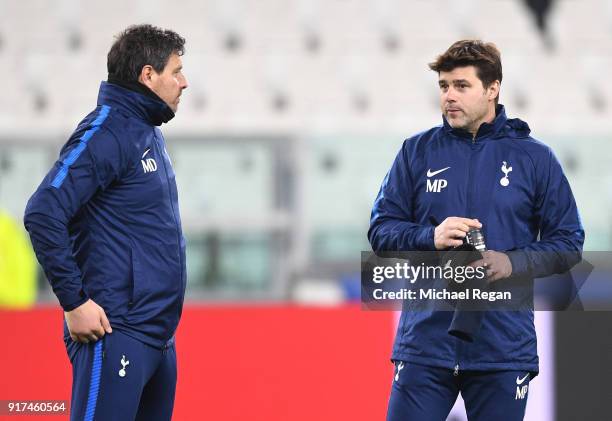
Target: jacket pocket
[
  {"x": 155, "y": 277},
  {"x": 136, "y": 292}
]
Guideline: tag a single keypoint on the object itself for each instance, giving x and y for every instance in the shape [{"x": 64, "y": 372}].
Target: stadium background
[{"x": 294, "y": 113}]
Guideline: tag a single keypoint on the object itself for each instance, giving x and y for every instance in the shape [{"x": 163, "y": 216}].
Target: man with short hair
[
  {"x": 478, "y": 170},
  {"x": 106, "y": 229}
]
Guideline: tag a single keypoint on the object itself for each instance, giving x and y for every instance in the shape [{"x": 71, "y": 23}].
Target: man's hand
[
  {"x": 452, "y": 231},
  {"x": 87, "y": 323},
  {"x": 498, "y": 265}
]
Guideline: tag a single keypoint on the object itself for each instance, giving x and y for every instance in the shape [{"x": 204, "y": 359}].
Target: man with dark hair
[
  {"x": 106, "y": 229},
  {"x": 478, "y": 170}
]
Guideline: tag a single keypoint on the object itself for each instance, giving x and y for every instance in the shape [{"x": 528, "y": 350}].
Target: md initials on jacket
[{"x": 149, "y": 165}]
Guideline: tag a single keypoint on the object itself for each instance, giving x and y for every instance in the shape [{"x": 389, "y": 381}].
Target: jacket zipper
[
  {"x": 178, "y": 234},
  {"x": 468, "y": 214},
  {"x": 469, "y": 181}
]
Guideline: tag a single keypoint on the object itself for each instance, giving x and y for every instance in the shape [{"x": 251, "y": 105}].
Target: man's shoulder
[
  {"x": 519, "y": 133},
  {"x": 532, "y": 146},
  {"x": 95, "y": 118},
  {"x": 425, "y": 135},
  {"x": 102, "y": 131},
  {"x": 533, "y": 150},
  {"x": 423, "y": 138},
  {"x": 107, "y": 121}
]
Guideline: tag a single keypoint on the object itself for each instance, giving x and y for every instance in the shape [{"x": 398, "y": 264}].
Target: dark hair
[
  {"x": 141, "y": 45},
  {"x": 484, "y": 56}
]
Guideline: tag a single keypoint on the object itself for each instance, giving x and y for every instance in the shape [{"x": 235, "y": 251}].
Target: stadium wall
[{"x": 256, "y": 362}]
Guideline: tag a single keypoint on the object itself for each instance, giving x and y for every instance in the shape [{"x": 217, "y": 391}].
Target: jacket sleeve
[
  {"x": 391, "y": 223},
  {"x": 86, "y": 166},
  {"x": 561, "y": 238}
]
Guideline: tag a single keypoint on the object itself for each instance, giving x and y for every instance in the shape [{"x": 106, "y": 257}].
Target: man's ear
[
  {"x": 493, "y": 90},
  {"x": 147, "y": 76}
]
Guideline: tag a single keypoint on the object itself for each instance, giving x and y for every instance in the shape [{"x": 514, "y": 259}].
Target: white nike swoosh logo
[
  {"x": 520, "y": 381},
  {"x": 431, "y": 173},
  {"x": 146, "y": 152}
]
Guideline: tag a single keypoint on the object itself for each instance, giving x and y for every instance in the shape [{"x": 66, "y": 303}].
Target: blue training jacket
[
  {"x": 515, "y": 187},
  {"x": 105, "y": 220}
]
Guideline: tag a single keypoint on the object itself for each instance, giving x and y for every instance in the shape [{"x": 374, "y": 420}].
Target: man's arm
[
  {"x": 561, "y": 234},
  {"x": 391, "y": 226},
  {"x": 87, "y": 165}
]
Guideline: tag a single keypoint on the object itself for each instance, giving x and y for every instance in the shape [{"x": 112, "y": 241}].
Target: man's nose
[{"x": 450, "y": 95}]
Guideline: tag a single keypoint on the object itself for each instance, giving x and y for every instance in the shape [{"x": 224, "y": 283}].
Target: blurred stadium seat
[{"x": 347, "y": 80}]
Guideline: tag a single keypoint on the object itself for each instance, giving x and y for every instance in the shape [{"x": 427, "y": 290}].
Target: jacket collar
[
  {"x": 486, "y": 130},
  {"x": 145, "y": 107}
]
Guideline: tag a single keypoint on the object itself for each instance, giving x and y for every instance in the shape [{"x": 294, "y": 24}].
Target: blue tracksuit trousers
[
  {"x": 423, "y": 393},
  {"x": 120, "y": 378}
]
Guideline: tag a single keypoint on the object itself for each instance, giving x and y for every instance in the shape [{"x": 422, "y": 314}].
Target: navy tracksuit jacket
[
  {"x": 105, "y": 221},
  {"x": 515, "y": 187}
]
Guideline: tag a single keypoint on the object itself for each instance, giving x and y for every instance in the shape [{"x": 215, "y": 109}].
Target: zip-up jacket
[
  {"x": 105, "y": 223},
  {"x": 515, "y": 187}
]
